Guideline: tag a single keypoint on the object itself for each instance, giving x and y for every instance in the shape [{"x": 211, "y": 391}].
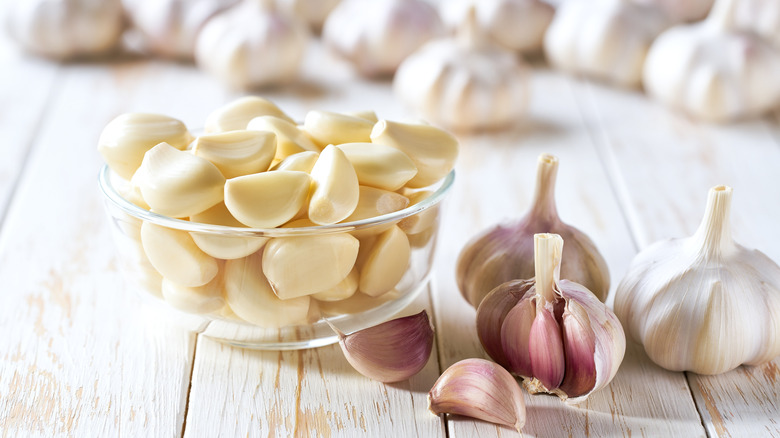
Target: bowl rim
[{"x": 440, "y": 190}]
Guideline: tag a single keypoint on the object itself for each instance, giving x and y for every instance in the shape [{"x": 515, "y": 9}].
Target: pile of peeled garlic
[{"x": 254, "y": 167}]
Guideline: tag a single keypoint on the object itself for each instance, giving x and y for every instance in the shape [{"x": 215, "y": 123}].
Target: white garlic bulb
[
  {"x": 465, "y": 83},
  {"x": 605, "y": 39},
  {"x": 169, "y": 28},
  {"x": 64, "y": 29},
  {"x": 704, "y": 304},
  {"x": 685, "y": 10},
  {"x": 515, "y": 24},
  {"x": 252, "y": 45},
  {"x": 377, "y": 35},
  {"x": 713, "y": 72},
  {"x": 757, "y": 16},
  {"x": 313, "y": 12}
]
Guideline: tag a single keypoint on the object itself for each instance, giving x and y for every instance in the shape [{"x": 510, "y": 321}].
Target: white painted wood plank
[
  {"x": 495, "y": 183},
  {"x": 666, "y": 165}
]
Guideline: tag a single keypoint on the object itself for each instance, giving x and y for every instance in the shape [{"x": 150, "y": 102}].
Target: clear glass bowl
[{"x": 276, "y": 324}]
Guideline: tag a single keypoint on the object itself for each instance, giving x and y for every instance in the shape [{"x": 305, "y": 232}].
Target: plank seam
[
  {"x": 189, "y": 385},
  {"x": 439, "y": 359},
  {"x": 696, "y": 405}
]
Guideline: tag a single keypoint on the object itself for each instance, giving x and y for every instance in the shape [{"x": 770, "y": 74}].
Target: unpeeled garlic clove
[
  {"x": 237, "y": 153},
  {"x": 177, "y": 183},
  {"x": 303, "y": 265},
  {"x": 238, "y": 113},
  {"x": 301, "y": 162},
  {"x": 392, "y": 351},
  {"x": 335, "y": 188},
  {"x": 125, "y": 140},
  {"x": 174, "y": 254},
  {"x": 268, "y": 199},
  {"x": 289, "y": 139},
  {"x": 326, "y": 128},
  {"x": 224, "y": 246},
  {"x": 379, "y": 166},
  {"x": 386, "y": 262},
  {"x": 479, "y": 389},
  {"x": 432, "y": 150},
  {"x": 545, "y": 348},
  {"x": 345, "y": 289}
]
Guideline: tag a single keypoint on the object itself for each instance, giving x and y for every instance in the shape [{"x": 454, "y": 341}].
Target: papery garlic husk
[
  {"x": 505, "y": 252},
  {"x": 705, "y": 303},
  {"x": 557, "y": 336},
  {"x": 479, "y": 389},
  {"x": 377, "y": 35},
  {"x": 392, "y": 351}
]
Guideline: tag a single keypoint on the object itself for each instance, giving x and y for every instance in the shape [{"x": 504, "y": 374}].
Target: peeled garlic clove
[
  {"x": 174, "y": 254},
  {"x": 303, "y": 265},
  {"x": 199, "y": 299},
  {"x": 345, "y": 289},
  {"x": 223, "y": 246},
  {"x": 335, "y": 188},
  {"x": 289, "y": 139},
  {"x": 580, "y": 351},
  {"x": 251, "y": 298},
  {"x": 511, "y": 331},
  {"x": 357, "y": 303},
  {"x": 392, "y": 351},
  {"x": 300, "y": 162},
  {"x": 128, "y": 190},
  {"x": 423, "y": 220},
  {"x": 238, "y": 113},
  {"x": 327, "y": 128},
  {"x": 125, "y": 140},
  {"x": 268, "y": 199},
  {"x": 372, "y": 203},
  {"x": 386, "y": 263},
  {"x": 379, "y": 166},
  {"x": 237, "y": 153},
  {"x": 367, "y": 114},
  {"x": 505, "y": 252},
  {"x": 432, "y": 150},
  {"x": 479, "y": 389}
]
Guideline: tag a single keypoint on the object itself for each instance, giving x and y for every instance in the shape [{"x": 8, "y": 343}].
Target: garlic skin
[
  {"x": 392, "y": 351},
  {"x": 604, "y": 39},
  {"x": 517, "y": 25},
  {"x": 505, "y": 251},
  {"x": 679, "y": 11},
  {"x": 705, "y": 303},
  {"x": 464, "y": 83},
  {"x": 554, "y": 333},
  {"x": 252, "y": 45},
  {"x": 479, "y": 389},
  {"x": 65, "y": 29},
  {"x": 169, "y": 28},
  {"x": 377, "y": 35},
  {"x": 712, "y": 71}
]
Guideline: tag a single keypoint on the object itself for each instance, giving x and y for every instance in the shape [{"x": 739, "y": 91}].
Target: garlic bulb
[
  {"x": 480, "y": 389},
  {"x": 465, "y": 83},
  {"x": 64, "y": 29},
  {"x": 392, "y": 351},
  {"x": 505, "y": 252},
  {"x": 554, "y": 333},
  {"x": 169, "y": 28},
  {"x": 514, "y": 24},
  {"x": 679, "y": 11},
  {"x": 712, "y": 71},
  {"x": 605, "y": 39},
  {"x": 377, "y": 35},
  {"x": 705, "y": 303},
  {"x": 759, "y": 16},
  {"x": 313, "y": 12},
  {"x": 252, "y": 45}
]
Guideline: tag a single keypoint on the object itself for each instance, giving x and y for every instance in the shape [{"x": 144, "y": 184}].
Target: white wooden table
[{"x": 80, "y": 356}]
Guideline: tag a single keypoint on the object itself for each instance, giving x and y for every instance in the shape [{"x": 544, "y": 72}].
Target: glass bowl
[{"x": 240, "y": 306}]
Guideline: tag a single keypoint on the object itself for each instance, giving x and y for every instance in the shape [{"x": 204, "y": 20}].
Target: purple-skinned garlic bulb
[
  {"x": 506, "y": 251},
  {"x": 553, "y": 333}
]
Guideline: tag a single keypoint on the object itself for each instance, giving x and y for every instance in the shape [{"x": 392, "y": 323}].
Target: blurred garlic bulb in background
[
  {"x": 464, "y": 83},
  {"x": 169, "y": 28},
  {"x": 759, "y": 16},
  {"x": 313, "y": 12},
  {"x": 515, "y": 24},
  {"x": 252, "y": 45},
  {"x": 682, "y": 10},
  {"x": 713, "y": 72},
  {"x": 605, "y": 39},
  {"x": 64, "y": 29},
  {"x": 377, "y": 35}
]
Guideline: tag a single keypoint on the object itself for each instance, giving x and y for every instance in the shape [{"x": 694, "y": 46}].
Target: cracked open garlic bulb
[
  {"x": 515, "y": 24},
  {"x": 377, "y": 35},
  {"x": 464, "y": 83},
  {"x": 705, "y": 303},
  {"x": 713, "y": 72},
  {"x": 252, "y": 45},
  {"x": 64, "y": 29},
  {"x": 605, "y": 39},
  {"x": 169, "y": 28}
]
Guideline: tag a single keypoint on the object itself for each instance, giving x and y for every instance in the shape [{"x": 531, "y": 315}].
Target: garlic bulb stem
[
  {"x": 468, "y": 33},
  {"x": 722, "y": 14},
  {"x": 543, "y": 206},
  {"x": 714, "y": 233},
  {"x": 548, "y": 249}
]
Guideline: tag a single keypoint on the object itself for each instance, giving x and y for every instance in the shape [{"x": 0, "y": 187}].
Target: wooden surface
[{"x": 80, "y": 355}]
